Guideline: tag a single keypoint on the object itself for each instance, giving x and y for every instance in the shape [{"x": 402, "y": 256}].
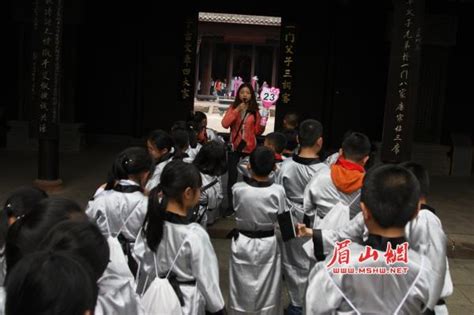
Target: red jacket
[{"x": 250, "y": 129}]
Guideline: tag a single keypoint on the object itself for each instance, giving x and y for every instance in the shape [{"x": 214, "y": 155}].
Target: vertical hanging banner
[
  {"x": 186, "y": 75},
  {"x": 403, "y": 80},
  {"x": 287, "y": 64},
  {"x": 47, "y": 40}
]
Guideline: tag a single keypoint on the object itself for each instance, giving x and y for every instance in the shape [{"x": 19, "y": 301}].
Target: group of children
[{"x": 148, "y": 222}]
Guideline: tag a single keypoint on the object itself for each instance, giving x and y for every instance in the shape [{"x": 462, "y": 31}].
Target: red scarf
[{"x": 347, "y": 176}]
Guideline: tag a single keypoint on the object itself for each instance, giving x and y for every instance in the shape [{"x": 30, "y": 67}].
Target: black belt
[
  {"x": 175, "y": 283},
  {"x": 257, "y": 234},
  {"x": 173, "y": 278},
  {"x": 190, "y": 282},
  {"x": 431, "y": 312},
  {"x": 251, "y": 234}
]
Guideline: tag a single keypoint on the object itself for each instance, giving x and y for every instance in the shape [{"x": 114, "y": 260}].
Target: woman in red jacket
[{"x": 245, "y": 124}]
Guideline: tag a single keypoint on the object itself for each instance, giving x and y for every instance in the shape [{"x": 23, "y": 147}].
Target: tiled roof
[{"x": 239, "y": 19}]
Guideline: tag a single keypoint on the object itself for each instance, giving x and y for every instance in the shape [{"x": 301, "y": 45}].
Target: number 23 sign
[{"x": 269, "y": 96}]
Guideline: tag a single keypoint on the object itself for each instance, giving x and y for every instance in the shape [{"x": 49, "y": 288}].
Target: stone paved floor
[{"x": 83, "y": 172}]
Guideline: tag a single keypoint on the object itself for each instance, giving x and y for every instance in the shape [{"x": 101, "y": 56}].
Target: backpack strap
[
  {"x": 411, "y": 286},
  {"x": 353, "y": 200},
  {"x": 240, "y": 127},
  {"x": 206, "y": 187},
  {"x": 342, "y": 293},
  {"x": 176, "y": 257}
]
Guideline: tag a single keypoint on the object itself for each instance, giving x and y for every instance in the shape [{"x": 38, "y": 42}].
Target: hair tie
[
  {"x": 127, "y": 162},
  {"x": 9, "y": 209}
]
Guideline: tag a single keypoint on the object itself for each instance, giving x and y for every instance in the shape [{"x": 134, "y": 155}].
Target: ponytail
[
  {"x": 181, "y": 141},
  {"x": 176, "y": 177},
  {"x": 189, "y": 128},
  {"x": 155, "y": 217},
  {"x": 117, "y": 172},
  {"x": 131, "y": 161}
]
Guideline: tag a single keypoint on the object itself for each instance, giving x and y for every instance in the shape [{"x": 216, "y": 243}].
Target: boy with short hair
[
  {"x": 342, "y": 182},
  {"x": 294, "y": 175},
  {"x": 275, "y": 141},
  {"x": 255, "y": 265},
  {"x": 401, "y": 284}
]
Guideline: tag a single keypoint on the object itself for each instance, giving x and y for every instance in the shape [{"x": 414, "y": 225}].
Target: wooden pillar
[
  {"x": 68, "y": 97},
  {"x": 254, "y": 58},
  {"x": 288, "y": 49},
  {"x": 230, "y": 66},
  {"x": 274, "y": 66},
  {"x": 47, "y": 46},
  {"x": 197, "y": 74},
  {"x": 22, "y": 95},
  {"x": 186, "y": 73},
  {"x": 403, "y": 80},
  {"x": 207, "y": 73}
]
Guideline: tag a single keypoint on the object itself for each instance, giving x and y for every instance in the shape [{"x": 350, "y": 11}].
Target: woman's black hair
[
  {"x": 176, "y": 177},
  {"x": 131, "y": 161},
  {"x": 50, "y": 283},
  {"x": 19, "y": 203},
  {"x": 253, "y": 105},
  {"x": 25, "y": 234},
  {"x": 81, "y": 239},
  {"x": 161, "y": 139},
  {"x": 211, "y": 159}
]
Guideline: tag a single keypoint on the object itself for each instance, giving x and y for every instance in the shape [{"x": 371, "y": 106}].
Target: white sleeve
[
  {"x": 309, "y": 197},
  {"x": 325, "y": 240},
  {"x": 425, "y": 232},
  {"x": 213, "y": 196},
  {"x": 322, "y": 297},
  {"x": 155, "y": 178},
  {"x": 242, "y": 167},
  {"x": 279, "y": 175},
  {"x": 137, "y": 216},
  {"x": 96, "y": 212},
  {"x": 143, "y": 255},
  {"x": 205, "y": 269}
]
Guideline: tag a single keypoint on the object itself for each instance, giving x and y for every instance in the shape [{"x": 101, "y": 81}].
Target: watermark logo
[{"x": 342, "y": 256}]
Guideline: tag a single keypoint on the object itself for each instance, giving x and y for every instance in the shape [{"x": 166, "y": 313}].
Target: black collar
[
  {"x": 177, "y": 219},
  {"x": 305, "y": 161},
  {"x": 380, "y": 243},
  {"x": 165, "y": 157},
  {"x": 127, "y": 188},
  {"x": 184, "y": 155},
  {"x": 427, "y": 207},
  {"x": 255, "y": 183}
]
